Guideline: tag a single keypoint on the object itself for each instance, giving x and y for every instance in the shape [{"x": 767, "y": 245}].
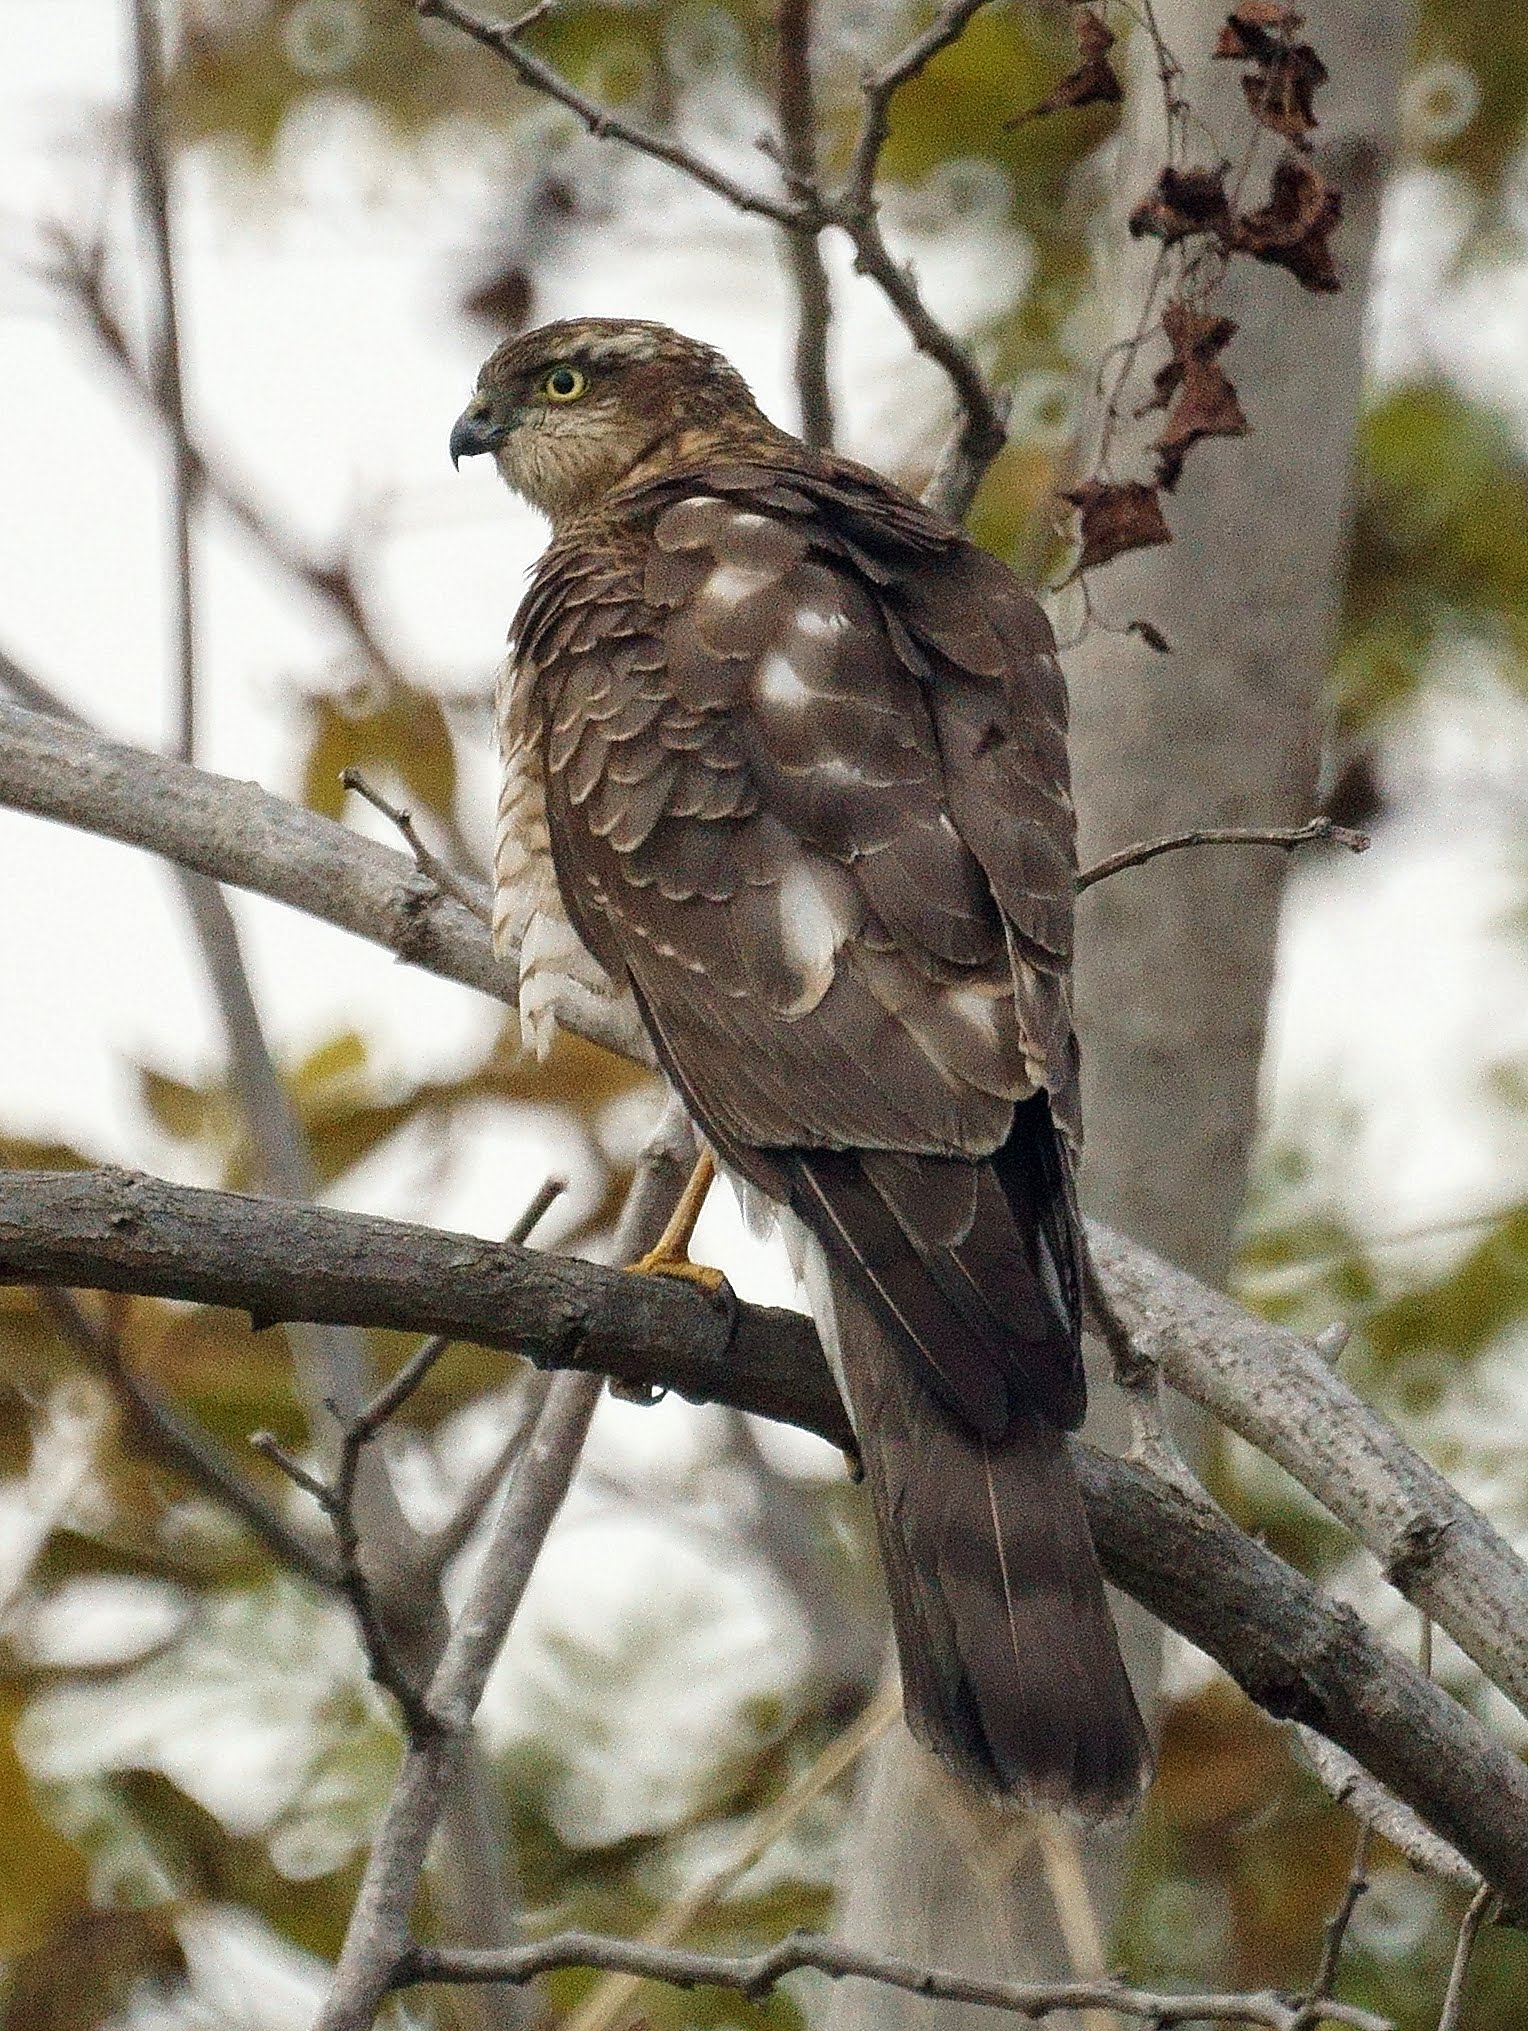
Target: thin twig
[
  {"x": 472, "y": 1505},
  {"x": 173, "y": 1440},
  {"x": 795, "y": 102},
  {"x": 1368, "y": 1800},
  {"x": 1317, "y": 2003},
  {"x": 1474, "y": 1918},
  {"x": 337, "y": 1500},
  {"x": 881, "y": 86},
  {"x": 756, "y": 1975},
  {"x": 1288, "y": 837},
  {"x": 166, "y": 371},
  {"x": 504, "y": 39},
  {"x": 471, "y": 895}
]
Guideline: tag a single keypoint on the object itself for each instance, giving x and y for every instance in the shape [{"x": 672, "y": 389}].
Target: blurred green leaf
[
  {"x": 1440, "y": 546},
  {"x": 386, "y": 730},
  {"x": 1461, "y": 1313}
]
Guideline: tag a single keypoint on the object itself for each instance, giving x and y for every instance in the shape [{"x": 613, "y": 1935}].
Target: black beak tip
[{"x": 471, "y": 434}]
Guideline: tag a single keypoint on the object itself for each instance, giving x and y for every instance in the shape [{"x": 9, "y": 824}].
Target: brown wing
[{"x": 805, "y": 759}]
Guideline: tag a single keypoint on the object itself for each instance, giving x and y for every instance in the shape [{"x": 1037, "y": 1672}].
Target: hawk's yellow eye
[{"x": 564, "y": 384}]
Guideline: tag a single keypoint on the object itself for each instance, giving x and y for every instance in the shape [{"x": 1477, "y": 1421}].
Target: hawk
[{"x": 785, "y": 760}]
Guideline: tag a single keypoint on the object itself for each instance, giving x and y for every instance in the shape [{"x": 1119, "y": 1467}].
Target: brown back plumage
[{"x": 802, "y": 753}]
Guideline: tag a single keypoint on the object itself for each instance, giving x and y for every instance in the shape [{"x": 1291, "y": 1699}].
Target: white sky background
[{"x": 326, "y": 363}]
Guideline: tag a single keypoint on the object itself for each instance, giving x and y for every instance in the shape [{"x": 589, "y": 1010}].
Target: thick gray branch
[
  {"x": 242, "y": 835},
  {"x": 119, "y": 1230},
  {"x": 1298, "y": 1654},
  {"x": 1274, "y": 1389}
]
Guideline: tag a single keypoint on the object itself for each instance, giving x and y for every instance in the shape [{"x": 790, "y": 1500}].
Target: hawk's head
[{"x": 578, "y": 407}]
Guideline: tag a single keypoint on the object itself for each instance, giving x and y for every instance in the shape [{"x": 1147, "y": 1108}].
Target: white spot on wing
[
  {"x": 815, "y": 626},
  {"x": 730, "y": 584},
  {"x": 975, "y": 1007},
  {"x": 780, "y": 683},
  {"x": 811, "y": 930}
]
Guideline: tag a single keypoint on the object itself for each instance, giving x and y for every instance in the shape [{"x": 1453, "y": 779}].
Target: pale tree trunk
[{"x": 1174, "y": 959}]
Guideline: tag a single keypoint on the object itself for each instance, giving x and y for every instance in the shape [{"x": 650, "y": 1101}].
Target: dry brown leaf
[
  {"x": 1206, "y": 404},
  {"x": 1281, "y": 92},
  {"x": 1293, "y": 228},
  {"x": 1116, "y": 517},
  {"x": 1184, "y": 202},
  {"x": 1094, "y": 82},
  {"x": 1151, "y": 635}
]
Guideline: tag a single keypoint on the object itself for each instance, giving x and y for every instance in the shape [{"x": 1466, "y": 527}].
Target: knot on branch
[{"x": 1414, "y": 1548}]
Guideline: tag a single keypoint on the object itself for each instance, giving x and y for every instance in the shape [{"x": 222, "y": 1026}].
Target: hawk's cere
[{"x": 785, "y": 757}]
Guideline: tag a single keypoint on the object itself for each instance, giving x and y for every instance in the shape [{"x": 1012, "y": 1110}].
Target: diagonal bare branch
[
  {"x": 1278, "y": 1392},
  {"x": 505, "y": 40},
  {"x": 881, "y": 86},
  {"x": 174, "y": 1441}
]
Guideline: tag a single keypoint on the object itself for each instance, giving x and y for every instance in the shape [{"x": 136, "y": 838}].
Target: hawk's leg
[{"x": 670, "y": 1256}]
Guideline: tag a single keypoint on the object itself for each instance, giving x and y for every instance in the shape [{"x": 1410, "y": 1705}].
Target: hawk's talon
[{"x": 657, "y": 1262}]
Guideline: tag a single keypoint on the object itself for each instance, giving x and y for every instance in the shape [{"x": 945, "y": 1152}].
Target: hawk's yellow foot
[{"x": 670, "y": 1256}]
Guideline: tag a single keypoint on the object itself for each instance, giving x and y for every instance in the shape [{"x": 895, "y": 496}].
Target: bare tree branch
[
  {"x": 1474, "y": 1918},
  {"x": 796, "y": 102},
  {"x": 1287, "y": 836},
  {"x": 1316, "y": 2006},
  {"x": 963, "y": 464},
  {"x": 504, "y": 39},
  {"x": 241, "y": 835},
  {"x": 854, "y": 212},
  {"x": 167, "y": 379},
  {"x": 378, "y": 1930},
  {"x": 756, "y": 1975},
  {"x": 472, "y": 895},
  {"x": 1277, "y": 1391},
  {"x": 1433, "y": 1545},
  {"x": 881, "y": 86},
  {"x": 1351, "y": 1785},
  {"x": 1298, "y": 1654}
]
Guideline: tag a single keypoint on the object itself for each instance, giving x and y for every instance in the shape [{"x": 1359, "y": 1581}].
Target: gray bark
[{"x": 1174, "y": 959}]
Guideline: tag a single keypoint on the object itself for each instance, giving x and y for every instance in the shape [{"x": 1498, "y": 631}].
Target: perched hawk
[{"x": 785, "y": 756}]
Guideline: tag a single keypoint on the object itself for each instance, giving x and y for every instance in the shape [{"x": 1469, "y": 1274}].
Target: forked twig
[{"x": 471, "y": 895}]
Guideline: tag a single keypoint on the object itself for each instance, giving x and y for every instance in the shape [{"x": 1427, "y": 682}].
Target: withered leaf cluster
[
  {"x": 1192, "y": 204},
  {"x": 1293, "y": 230},
  {"x": 1282, "y": 75},
  {"x": 1094, "y": 81}
]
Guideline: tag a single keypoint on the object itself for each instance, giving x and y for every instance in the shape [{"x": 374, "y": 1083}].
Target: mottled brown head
[{"x": 577, "y": 408}]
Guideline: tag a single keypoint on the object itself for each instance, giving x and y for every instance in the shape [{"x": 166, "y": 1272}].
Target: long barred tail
[{"x": 1011, "y": 1669}]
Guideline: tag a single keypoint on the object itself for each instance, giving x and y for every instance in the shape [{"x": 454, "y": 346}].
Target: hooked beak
[{"x": 475, "y": 431}]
